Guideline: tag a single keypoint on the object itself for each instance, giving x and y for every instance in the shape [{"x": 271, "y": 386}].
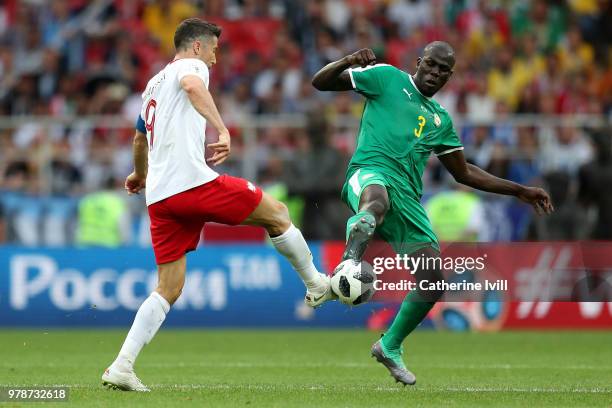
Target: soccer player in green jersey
[{"x": 400, "y": 127}]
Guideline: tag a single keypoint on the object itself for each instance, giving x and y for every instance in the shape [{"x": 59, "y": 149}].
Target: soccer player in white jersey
[{"x": 183, "y": 192}]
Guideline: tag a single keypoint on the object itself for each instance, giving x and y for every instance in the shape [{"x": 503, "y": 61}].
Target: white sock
[
  {"x": 291, "y": 245},
  {"x": 149, "y": 318}
]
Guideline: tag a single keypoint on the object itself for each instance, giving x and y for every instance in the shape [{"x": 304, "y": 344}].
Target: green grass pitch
[{"x": 318, "y": 368}]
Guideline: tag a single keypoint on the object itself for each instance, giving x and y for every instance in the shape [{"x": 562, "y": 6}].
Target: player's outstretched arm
[
  {"x": 334, "y": 77},
  {"x": 477, "y": 178},
  {"x": 203, "y": 102},
  {"x": 136, "y": 181}
]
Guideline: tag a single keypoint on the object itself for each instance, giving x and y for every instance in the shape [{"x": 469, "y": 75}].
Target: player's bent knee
[
  {"x": 272, "y": 215},
  {"x": 378, "y": 207},
  {"x": 375, "y": 200}
]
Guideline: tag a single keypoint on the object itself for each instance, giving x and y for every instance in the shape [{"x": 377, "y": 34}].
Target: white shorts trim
[{"x": 449, "y": 151}]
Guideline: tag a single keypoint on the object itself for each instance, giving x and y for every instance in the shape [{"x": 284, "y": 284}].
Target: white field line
[
  {"x": 330, "y": 365},
  {"x": 290, "y": 387},
  {"x": 371, "y": 365}
]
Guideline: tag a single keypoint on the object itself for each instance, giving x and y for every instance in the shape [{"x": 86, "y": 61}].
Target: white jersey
[{"x": 175, "y": 132}]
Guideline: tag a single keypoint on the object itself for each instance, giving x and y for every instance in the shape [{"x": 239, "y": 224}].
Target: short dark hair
[{"x": 193, "y": 28}]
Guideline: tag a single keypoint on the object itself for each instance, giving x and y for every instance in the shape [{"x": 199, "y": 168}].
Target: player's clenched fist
[
  {"x": 221, "y": 148},
  {"x": 134, "y": 183},
  {"x": 363, "y": 57}
]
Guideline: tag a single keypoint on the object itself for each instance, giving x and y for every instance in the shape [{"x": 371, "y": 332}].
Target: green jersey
[{"x": 399, "y": 128}]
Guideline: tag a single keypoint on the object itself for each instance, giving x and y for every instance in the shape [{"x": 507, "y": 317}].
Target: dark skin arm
[
  {"x": 479, "y": 179},
  {"x": 335, "y": 77}
]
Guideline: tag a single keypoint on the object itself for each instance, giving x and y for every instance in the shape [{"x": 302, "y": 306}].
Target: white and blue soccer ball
[{"x": 353, "y": 282}]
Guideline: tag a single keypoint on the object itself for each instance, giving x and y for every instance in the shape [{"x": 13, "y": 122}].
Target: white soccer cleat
[
  {"x": 317, "y": 298},
  {"x": 122, "y": 380}
]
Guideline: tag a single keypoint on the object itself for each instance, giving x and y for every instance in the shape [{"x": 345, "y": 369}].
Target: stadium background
[{"x": 531, "y": 97}]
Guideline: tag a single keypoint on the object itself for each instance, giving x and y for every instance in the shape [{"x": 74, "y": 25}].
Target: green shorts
[{"x": 406, "y": 226}]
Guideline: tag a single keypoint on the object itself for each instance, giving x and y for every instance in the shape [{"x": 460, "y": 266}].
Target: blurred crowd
[{"x": 77, "y": 58}]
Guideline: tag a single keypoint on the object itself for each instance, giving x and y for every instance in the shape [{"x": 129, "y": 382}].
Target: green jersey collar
[{"x": 417, "y": 89}]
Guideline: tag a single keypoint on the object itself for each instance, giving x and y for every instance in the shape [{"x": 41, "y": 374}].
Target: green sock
[{"x": 413, "y": 310}]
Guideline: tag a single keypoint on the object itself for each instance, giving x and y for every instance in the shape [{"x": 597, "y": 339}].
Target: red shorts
[{"x": 177, "y": 221}]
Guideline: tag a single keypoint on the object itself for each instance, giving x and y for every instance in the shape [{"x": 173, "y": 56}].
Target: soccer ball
[{"x": 353, "y": 282}]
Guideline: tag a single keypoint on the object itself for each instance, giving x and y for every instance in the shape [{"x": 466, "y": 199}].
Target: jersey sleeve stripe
[
  {"x": 361, "y": 69},
  {"x": 350, "y": 71},
  {"x": 449, "y": 151}
]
